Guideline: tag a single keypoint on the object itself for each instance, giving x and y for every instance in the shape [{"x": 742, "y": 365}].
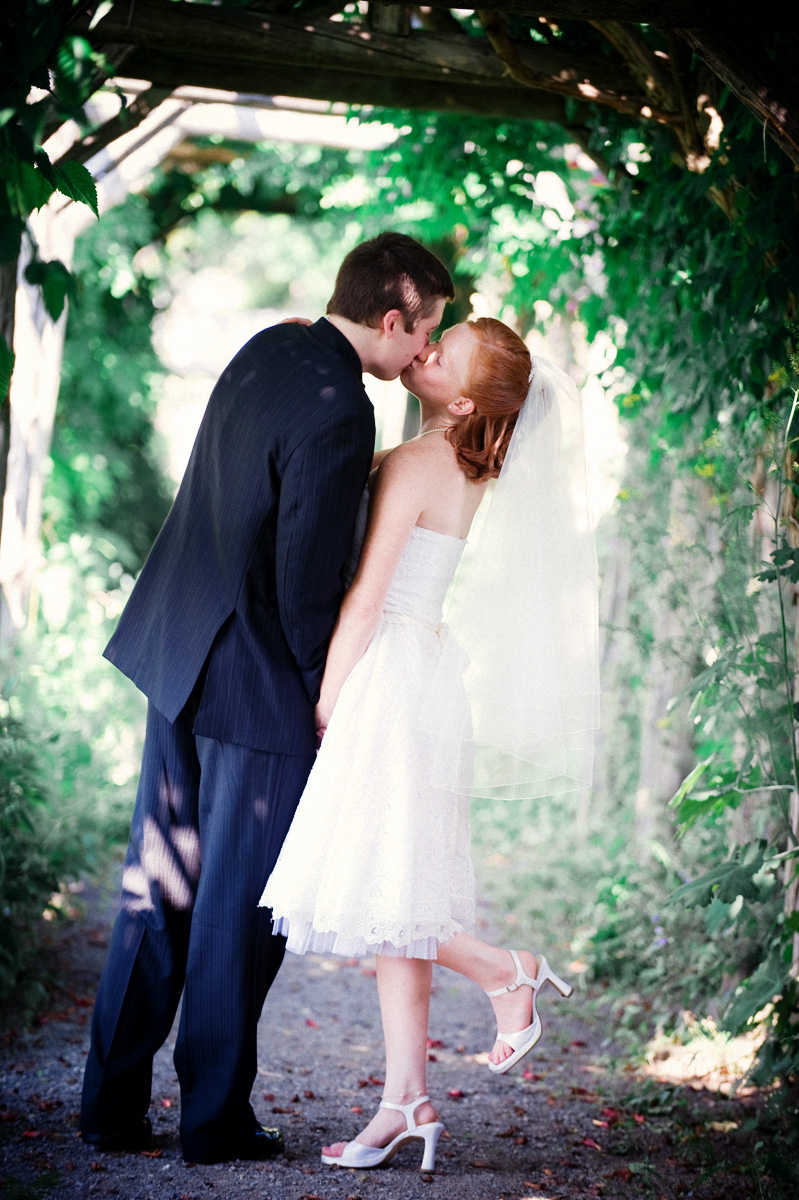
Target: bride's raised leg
[
  {"x": 403, "y": 986},
  {"x": 495, "y": 970}
]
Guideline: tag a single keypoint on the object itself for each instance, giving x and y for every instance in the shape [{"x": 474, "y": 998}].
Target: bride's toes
[
  {"x": 499, "y": 1052},
  {"x": 336, "y": 1150}
]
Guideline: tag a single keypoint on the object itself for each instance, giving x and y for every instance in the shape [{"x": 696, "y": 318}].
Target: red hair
[{"x": 498, "y": 383}]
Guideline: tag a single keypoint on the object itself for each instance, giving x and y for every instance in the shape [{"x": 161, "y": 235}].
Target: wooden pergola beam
[
  {"x": 200, "y": 40},
  {"x": 351, "y": 87},
  {"x": 665, "y": 14}
]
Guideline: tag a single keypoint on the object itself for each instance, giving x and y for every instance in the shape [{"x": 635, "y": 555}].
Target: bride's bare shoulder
[{"x": 420, "y": 453}]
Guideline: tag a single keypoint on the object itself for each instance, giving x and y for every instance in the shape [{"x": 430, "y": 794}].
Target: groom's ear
[
  {"x": 392, "y": 321},
  {"x": 461, "y": 407}
]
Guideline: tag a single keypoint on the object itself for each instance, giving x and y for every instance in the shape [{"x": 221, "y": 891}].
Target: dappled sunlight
[
  {"x": 707, "y": 1059},
  {"x": 173, "y": 865}
]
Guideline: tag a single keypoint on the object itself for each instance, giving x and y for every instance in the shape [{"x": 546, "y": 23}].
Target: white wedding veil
[{"x": 523, "y": 610}]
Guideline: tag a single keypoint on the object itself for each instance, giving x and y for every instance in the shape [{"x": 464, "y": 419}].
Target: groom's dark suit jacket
[{"x": 244, "y": 580}]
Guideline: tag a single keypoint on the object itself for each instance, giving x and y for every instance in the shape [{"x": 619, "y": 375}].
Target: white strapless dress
[{"x": 378, "y": 860}]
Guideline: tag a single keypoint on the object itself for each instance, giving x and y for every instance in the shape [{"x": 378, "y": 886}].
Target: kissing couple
[{"x": 313, "y": 737}]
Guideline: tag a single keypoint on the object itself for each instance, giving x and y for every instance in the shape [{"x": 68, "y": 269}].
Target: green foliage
[
  {"x": 106, "y": 473},
  {"x": 36, "y": 52},
  {"x": 70, "y": 738},
  {"x": 55, "y": 281},
  {"x": 27, "y": 876}
]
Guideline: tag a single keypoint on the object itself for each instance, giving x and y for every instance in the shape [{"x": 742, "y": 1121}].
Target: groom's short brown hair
[{"x": 389, "y": 271}]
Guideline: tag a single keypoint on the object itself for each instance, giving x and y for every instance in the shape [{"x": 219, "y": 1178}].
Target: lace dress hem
[{"x": 302, "y": 938}]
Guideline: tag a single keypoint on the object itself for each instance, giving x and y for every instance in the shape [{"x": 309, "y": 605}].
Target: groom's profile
[{"x": 226, "y": 632}]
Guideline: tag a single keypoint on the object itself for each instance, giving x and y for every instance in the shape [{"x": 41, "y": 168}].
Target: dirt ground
[{"x": 576, "y": 1121}]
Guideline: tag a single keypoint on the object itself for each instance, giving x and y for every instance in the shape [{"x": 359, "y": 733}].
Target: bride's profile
[{"x": 416, "y": 716}]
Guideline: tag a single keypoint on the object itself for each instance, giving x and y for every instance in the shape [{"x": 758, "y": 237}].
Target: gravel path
[{"x": 540, "y": 1133}]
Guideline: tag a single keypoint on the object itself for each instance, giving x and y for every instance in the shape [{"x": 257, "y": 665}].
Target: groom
[{"x": 226, "y": 633}]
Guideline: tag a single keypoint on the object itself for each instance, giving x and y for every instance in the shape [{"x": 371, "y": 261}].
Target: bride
[{"x": 377, "y": 860}]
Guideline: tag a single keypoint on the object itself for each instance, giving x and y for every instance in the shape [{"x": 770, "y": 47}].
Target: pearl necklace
[{"x": 441, "y": 429}]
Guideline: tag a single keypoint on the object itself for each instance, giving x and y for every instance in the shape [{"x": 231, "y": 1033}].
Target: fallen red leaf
[
  {"x": 269, "y": 1096},
  {"x": 98, "y": 1166},
  {"x": 590, "y": 1142},
  {"x": 435, "y": 1044},
  {"x": 308, "y": 1094},
  {"x": 610, "y": 1113},
  {"x": 48, "y": 1105},
  {"x": 283, "y": 1111},
  {"x": 620, "y": 1173},
  {"x": 166, "y": 1103},
  {"x": 309, "y": 1021},
  {"x": 151, "y": 1153},
  {"x": 455, "y": 1093},
  {"x": 577, "y": 1042},
  {"x": 528, "y": 1074},
  {"x": 31, "y": 1133},
  {"x": 363, "y": 1083},
  {"x": 377, "y": 1082},
  {"x": 432, "y": 1058},
  {"x": 520, "y": 1141},
  {"x": 639, "y": 1120},
  {"x": 511, "y": 1131},
  {"x": 478, "y": 1162},
  {"x": 520, "y": 1112},
  {"x": 602, "y": 1124},
  {"x": 356, "y": 1108},
  {"x": 295, "y": 1099}
]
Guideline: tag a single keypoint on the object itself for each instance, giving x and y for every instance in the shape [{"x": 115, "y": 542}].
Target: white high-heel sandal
[
  {"x": 356, "y": 1154},
  {"x": 524, "y": 1039}
]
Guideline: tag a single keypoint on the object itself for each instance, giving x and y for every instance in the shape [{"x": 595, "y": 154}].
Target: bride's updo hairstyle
[{"x": 498, "y": 386}]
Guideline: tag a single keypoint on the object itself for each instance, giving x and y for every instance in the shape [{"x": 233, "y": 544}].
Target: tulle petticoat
[{"x": 378, "y": 860}]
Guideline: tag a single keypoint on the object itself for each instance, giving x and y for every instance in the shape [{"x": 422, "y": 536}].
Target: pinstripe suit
[{"x": 226, "y": 633}]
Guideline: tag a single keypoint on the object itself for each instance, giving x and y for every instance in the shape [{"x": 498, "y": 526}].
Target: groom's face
[{"x": 399, "y": 347}]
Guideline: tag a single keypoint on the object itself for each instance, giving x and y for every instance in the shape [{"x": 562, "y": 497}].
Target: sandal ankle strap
[
  {"x": 407, "y": 1110},
  {"x": 521, "y": 980}
]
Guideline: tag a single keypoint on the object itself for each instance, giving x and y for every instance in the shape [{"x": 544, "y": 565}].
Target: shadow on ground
[{"x": 574, "y": 1122}]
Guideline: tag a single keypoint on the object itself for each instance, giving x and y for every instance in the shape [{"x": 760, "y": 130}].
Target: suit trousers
[{"x": 209, "y": 821}]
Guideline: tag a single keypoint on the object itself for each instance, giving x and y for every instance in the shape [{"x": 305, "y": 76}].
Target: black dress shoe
[
  {"x": 261, "y": 1143},
  {"x": 137, "y": 1135}
]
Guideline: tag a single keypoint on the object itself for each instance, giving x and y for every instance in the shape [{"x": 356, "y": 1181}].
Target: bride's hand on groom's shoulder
[{"x": 295, "y": 321}]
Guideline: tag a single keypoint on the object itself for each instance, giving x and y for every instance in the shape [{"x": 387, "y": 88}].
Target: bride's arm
[{"x": 398, "y": 497}]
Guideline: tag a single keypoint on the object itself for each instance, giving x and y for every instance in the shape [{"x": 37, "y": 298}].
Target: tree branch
[
  {"x": 758, "y": 82},
  {"x": 650, "y": 70},
  {"x": 521, "y": 65}
]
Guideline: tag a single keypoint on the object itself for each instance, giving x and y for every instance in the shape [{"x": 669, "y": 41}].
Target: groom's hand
[{"x": 296, "y": 321}]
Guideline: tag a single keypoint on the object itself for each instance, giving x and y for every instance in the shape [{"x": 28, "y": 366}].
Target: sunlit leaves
[{"x": 75, "y": 181}]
